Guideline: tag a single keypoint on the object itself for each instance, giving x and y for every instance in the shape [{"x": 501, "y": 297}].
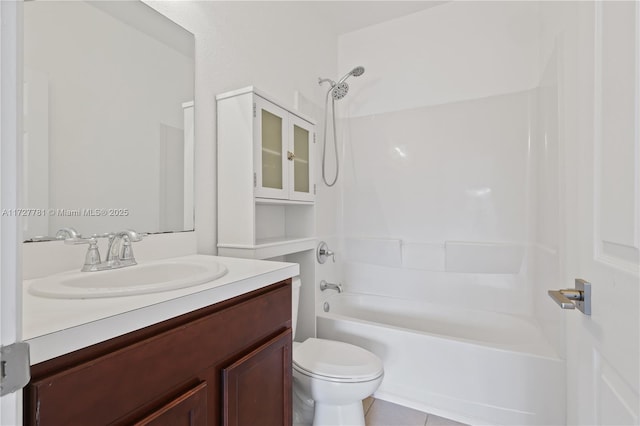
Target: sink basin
[{"x": 152, "y": 277}]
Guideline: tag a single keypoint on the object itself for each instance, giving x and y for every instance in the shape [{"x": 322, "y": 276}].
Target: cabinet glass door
[
  {"x": 301, "y": 159},
  {"x": 271, "y": 153}
]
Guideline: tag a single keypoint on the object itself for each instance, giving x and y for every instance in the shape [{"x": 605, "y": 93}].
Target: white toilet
[{"x": 330, "y": 378}]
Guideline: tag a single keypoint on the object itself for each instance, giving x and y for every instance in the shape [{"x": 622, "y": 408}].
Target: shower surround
[
  {"x": 450, "y": 182},
  {"x": 441, "y": 155}
]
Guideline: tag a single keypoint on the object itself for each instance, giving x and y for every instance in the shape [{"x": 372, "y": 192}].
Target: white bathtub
[{"x": 476, "y": 367}]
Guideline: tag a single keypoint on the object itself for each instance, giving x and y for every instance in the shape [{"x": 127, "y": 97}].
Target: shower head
[
  {"x": 339, "y": 91},
  {"x": 356, "y": 72}
]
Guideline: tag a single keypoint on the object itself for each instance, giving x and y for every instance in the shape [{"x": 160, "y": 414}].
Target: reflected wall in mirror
[{"x": 108, "y": 119}]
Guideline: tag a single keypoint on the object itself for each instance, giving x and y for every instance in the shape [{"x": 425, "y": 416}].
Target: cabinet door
[
  {"x": 302, "y": 148},
  {"x": 189, "y": 409},
  {"x": 270, "y": 150},
  {"x": 257, "y": 387}
]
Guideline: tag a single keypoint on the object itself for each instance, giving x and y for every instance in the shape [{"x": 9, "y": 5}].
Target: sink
[{"x": 144, "y": 278}]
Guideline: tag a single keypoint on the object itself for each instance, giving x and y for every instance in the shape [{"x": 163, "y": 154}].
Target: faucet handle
[
  {"x": 92, "y": 258},
  {"x": 80, "y": 240},
  {"x": 133, "y": 235},
  {"x": 120, "y": 250},
  {"x": 323, "y": 252},
  {"x": 126, "y": 253},
  {"x": 64, "y": 233},
  {"x": 103, "y": 235}
]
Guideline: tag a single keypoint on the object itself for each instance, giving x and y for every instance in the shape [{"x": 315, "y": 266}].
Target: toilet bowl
[
  {"x": 330, "y": 379},
  {"x": 337, "y": 376}
]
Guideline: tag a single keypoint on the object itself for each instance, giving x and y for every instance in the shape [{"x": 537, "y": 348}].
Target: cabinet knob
[{"x": 290, "y": 156}]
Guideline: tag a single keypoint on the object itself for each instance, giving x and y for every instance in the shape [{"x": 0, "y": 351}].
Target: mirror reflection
[{"x": 108, "y": 119}]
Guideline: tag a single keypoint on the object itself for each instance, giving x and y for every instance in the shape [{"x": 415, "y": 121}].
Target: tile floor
[{"x": 382, "y": 413}]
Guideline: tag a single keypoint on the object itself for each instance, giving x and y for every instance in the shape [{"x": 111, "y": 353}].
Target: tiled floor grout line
[{"x": 373, "y": 415}]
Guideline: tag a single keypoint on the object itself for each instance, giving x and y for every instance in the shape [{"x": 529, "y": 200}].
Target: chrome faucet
[
  {"x": 119, "y": 251},
  {"x": 330, "y": 286}
]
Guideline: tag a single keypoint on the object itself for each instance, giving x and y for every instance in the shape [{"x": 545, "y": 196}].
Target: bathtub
[{"x": 475, "y": 367}]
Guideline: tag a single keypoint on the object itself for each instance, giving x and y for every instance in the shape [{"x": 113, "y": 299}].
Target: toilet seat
[{"x": 336, "y": 361}]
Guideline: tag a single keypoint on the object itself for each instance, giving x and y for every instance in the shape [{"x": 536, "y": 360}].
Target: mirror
[{"x": 108, "y": 119}]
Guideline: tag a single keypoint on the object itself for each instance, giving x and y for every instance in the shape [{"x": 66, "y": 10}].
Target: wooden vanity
[{"x": 225, "y": 364}]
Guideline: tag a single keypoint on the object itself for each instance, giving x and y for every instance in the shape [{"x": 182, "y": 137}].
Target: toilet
[{"x": 331, "y": 378}]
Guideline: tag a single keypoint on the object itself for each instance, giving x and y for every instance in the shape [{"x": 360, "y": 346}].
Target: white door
[
  {"x": 10, "y": 112},
  {"x": 603, "y": 357}
]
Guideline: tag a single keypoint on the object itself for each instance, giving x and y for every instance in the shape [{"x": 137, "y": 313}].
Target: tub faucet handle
[
  {"x": 323, "y": 253},
  {"x": 328, "y": 253}
]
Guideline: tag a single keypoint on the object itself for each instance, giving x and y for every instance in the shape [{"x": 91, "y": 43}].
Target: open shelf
[
  {"x": 268, "y": 247},
  {"x": 277, "y": 201}
]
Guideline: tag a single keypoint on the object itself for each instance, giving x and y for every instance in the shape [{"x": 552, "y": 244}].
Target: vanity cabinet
[
  {"x": 226, "y": 364},
  {"x": 189, "y": 408},
  {"x": 266, "y": 187}
]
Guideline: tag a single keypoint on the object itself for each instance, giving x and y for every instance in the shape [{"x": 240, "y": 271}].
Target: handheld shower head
[
  {"x": 356, "y": 72},
  {"x": 337, "y": 91}
]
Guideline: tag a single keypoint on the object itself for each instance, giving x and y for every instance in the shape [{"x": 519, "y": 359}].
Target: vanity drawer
[{"x": 124, "y": 380}]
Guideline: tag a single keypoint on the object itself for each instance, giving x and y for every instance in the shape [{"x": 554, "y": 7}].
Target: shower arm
[{"x": 326, "y": 80}]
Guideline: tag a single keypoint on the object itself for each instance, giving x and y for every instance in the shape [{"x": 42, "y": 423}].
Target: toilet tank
[{"x": 295, "y": 299}]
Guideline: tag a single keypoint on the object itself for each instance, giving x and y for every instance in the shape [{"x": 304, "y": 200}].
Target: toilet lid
[{"x": 336, "y": 360}]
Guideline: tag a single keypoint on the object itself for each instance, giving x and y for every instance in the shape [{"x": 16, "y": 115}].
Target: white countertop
[{"x": 55, "y": 327}]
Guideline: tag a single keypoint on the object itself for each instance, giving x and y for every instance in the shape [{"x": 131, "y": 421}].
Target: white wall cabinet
[
  {"x": 266, "y": 189},
  {"x": 283, "y": 148}
]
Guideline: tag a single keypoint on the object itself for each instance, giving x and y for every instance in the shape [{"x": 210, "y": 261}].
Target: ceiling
[{"x": 346, "y": 16}]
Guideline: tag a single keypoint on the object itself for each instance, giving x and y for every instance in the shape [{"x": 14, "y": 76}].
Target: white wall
[
  {"x": 438, "y": 165},
  {"x": 549, "y": 158},
  {"x": 452, "y": 52},
  {"x": 279, "y": 47}
]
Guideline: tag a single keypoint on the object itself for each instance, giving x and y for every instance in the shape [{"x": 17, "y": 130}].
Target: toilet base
[
  {"x": 332, "y": 415},
  {"x": 303, "y": 407}
]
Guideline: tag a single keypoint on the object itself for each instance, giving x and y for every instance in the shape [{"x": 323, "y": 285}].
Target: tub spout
[{"x": 325, "y": 286}]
